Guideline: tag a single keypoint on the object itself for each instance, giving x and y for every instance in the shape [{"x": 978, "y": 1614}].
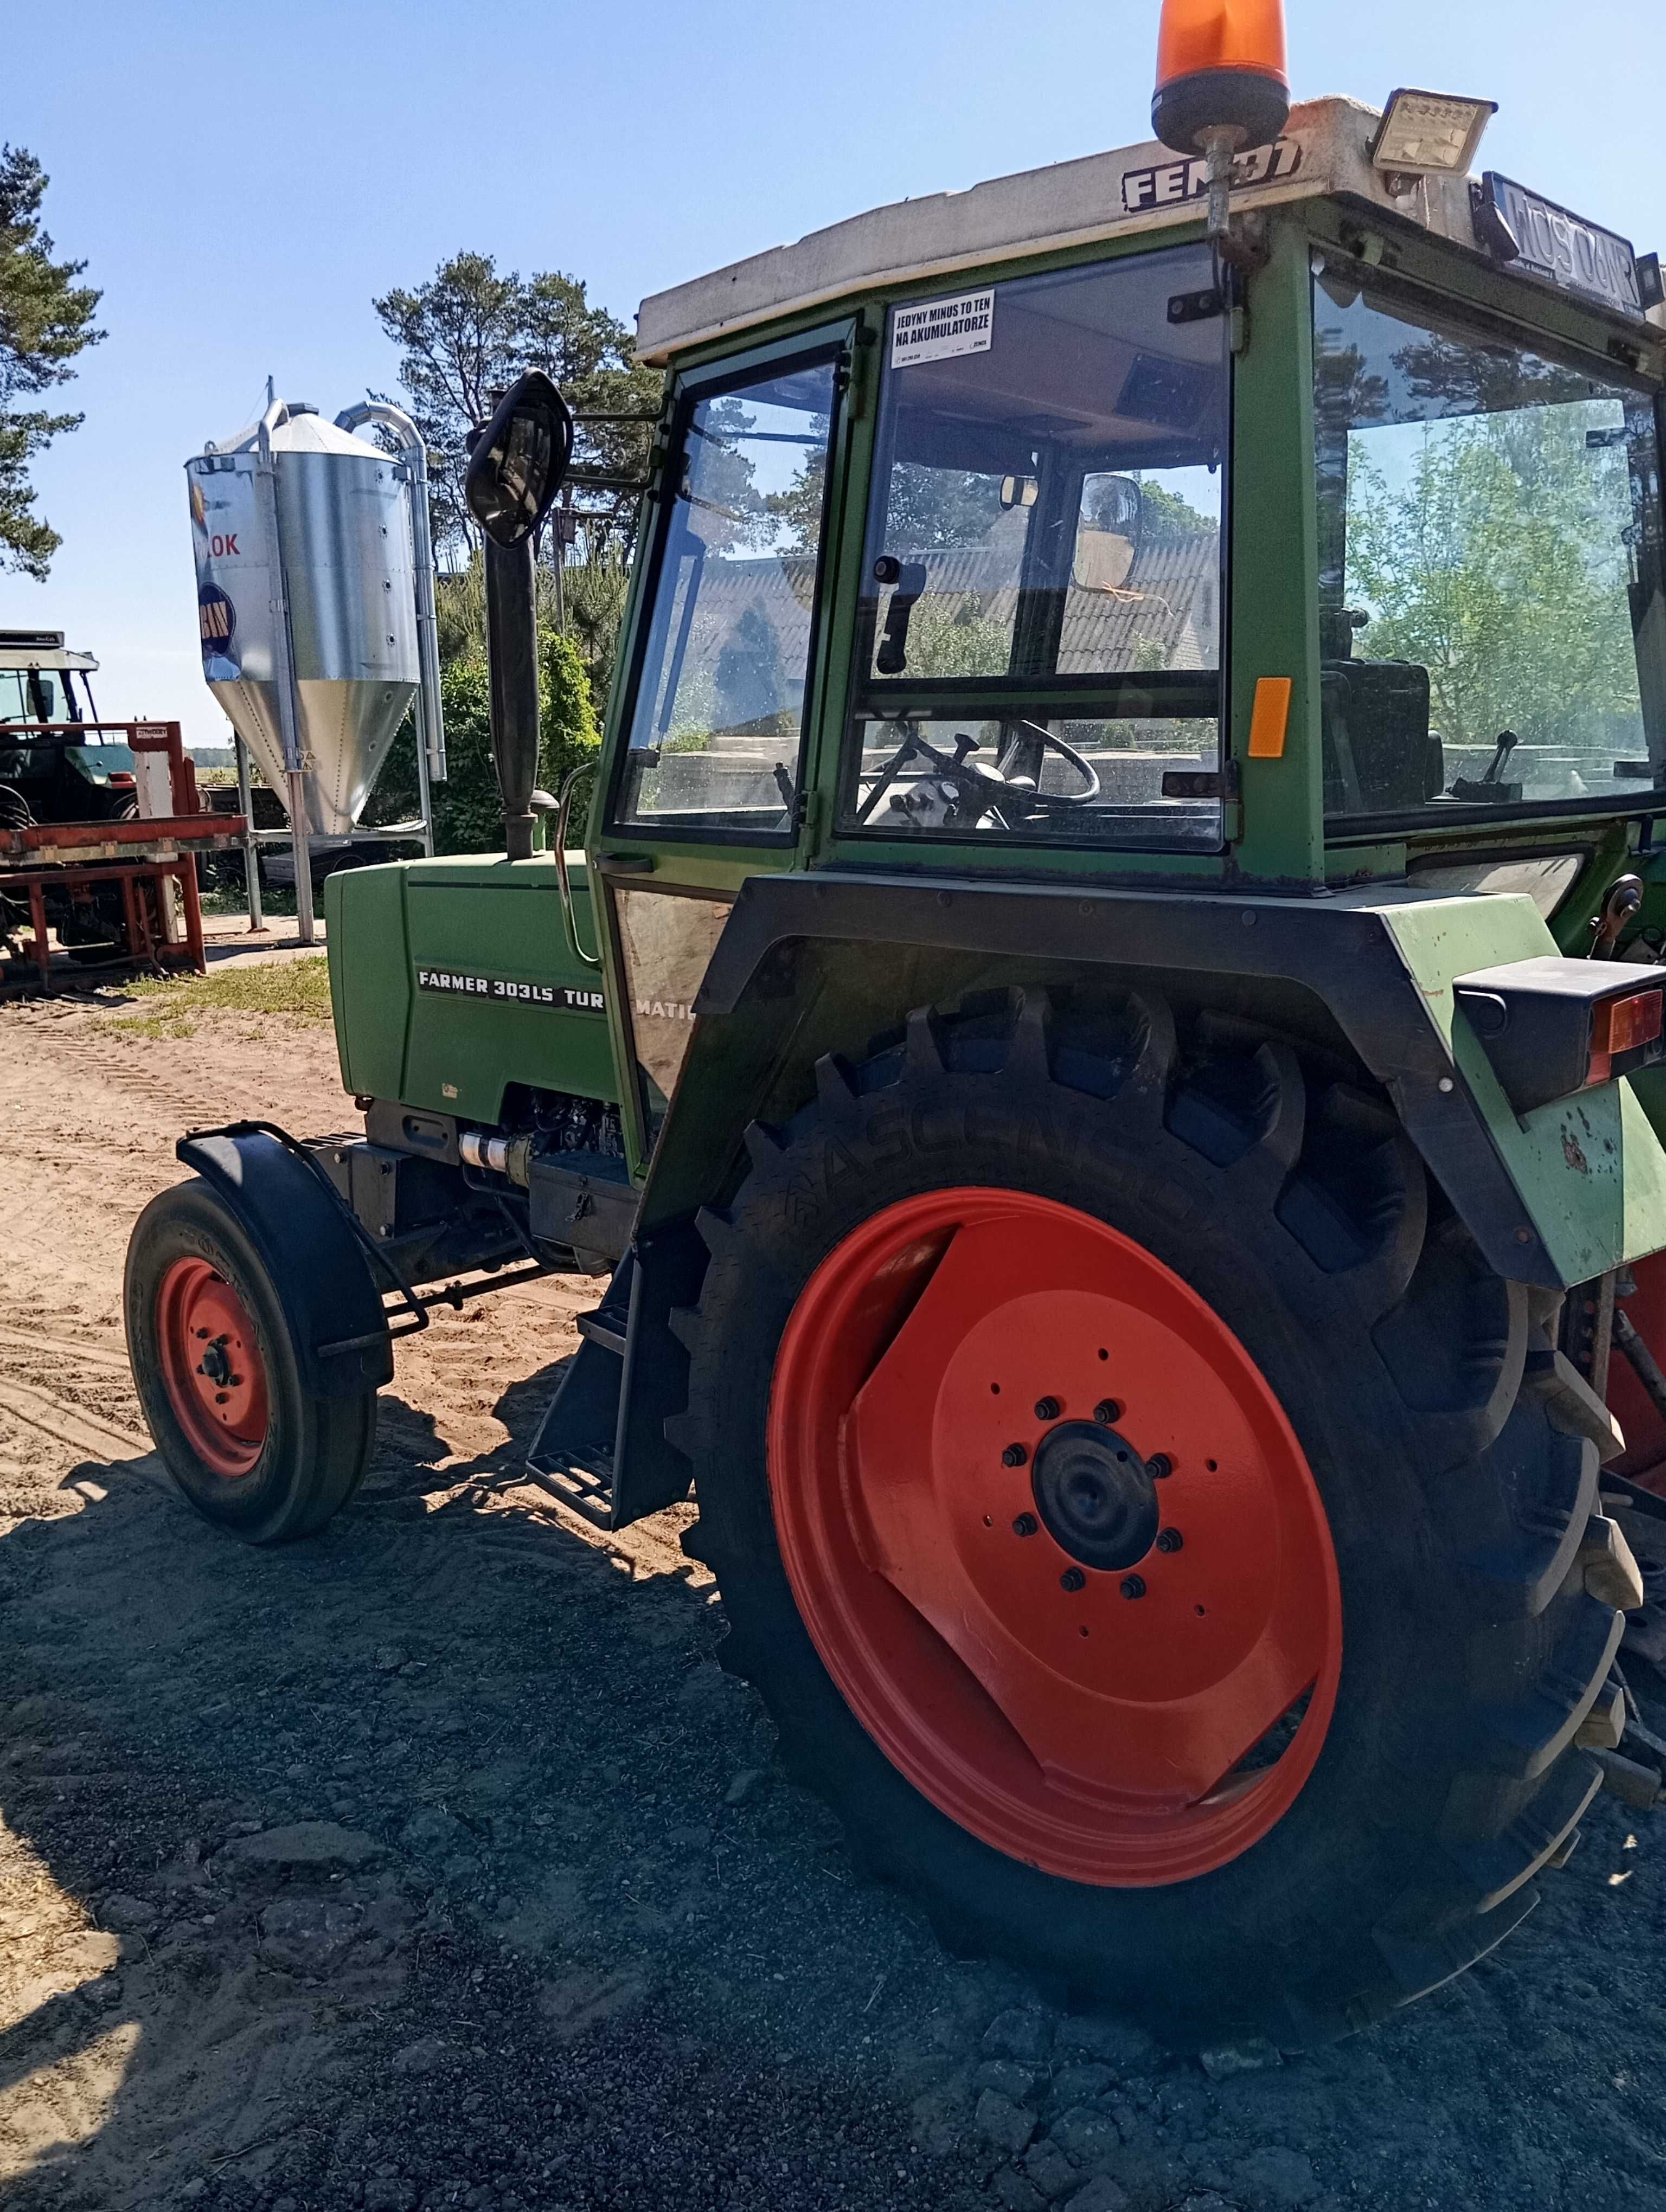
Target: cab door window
[
  {"x": 1039, "y": 643},
  {"x": 717, "y": 723}
]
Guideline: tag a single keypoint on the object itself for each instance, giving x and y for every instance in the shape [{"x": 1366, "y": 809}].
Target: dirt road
[{"x": 434, "y": 1862}]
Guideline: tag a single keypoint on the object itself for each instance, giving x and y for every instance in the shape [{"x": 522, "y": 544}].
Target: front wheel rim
[
  {"x": 1054, "y": 1537},
  {"x": 212, "y": 1368}
]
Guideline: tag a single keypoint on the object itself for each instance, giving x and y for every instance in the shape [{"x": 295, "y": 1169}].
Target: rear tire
[
  {"x": 1283, "y": 1195},
  {"x": 254, "y": 1452}
]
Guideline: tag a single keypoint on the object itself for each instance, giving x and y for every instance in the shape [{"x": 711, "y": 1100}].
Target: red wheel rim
[
  {"x": 211, "y": 1367},
  {"x": 1124, "y": 1725}
]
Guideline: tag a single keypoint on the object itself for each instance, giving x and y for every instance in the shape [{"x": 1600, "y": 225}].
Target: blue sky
[{"x": 242, "y": 182}]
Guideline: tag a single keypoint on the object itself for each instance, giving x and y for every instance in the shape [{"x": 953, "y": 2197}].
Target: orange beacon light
[{"x": 1221, "y": 79}]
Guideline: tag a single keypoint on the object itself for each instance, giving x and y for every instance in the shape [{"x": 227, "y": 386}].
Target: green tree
[
  {"x": 46, "y": 320},
  {"x": 591, "y": 598},
  {"x": 1166, "y": 519},
  {"x": 468, "y": 810},
  {"x": 932, "y": 509},
  {"x": 1499, "y": 564},
  {"x": 465, "y": 335}
]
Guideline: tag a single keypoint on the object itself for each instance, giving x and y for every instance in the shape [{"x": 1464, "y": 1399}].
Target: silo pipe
[
  {"x": 431, "y": 729},
  {"x": 283, "y": 671}
]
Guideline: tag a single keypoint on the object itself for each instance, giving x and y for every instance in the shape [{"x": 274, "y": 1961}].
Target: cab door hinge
[
  {"x": 855, "y": 372},
  {"x": 807, "y": 813}
]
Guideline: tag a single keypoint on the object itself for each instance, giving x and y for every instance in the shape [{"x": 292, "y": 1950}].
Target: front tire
[
  {"x": 255, "y": 1453},
  {"x": 1280, "y": 1776}
]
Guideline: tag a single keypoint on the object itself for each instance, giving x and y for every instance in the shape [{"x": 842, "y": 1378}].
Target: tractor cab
[
  {"x": 45, "y": 780},
  {"x": 1035, "y": 534}
]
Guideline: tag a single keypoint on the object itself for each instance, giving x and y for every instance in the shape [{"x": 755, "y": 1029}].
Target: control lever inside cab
[{"x": 1486, "y": 790}]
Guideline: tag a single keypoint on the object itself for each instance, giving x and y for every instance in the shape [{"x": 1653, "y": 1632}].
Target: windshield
[
  {"x": 1492, "y": 626},
  {"x": 1038, "y": 634},
  {"x": 37, "y": 695}
]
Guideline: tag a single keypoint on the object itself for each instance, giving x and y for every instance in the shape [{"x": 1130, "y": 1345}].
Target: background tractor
[{"x": 1104, "y": 1039}]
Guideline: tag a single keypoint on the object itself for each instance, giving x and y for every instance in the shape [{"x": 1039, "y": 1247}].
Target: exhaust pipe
[
  {"x": 517, "y": 464},
  {"x": 512, "y": 657}
]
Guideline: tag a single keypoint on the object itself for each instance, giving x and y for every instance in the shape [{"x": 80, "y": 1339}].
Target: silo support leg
[{"x": 296, "y": 780}]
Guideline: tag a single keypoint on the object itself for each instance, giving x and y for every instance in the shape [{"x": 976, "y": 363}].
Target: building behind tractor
[{"x": 1116, "y": 1092}]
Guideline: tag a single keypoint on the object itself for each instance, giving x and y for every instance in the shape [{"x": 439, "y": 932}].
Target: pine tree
[{"x": 46, "y": 320}]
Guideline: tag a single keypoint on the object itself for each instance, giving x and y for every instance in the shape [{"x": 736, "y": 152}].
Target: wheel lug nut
[
  {"x": 1025, "y": 1525},
  {"x": 1133, "y": 1586},
  {"x": 1158, "y": 1465},
  {"x": 1107, "y": 1413},
  {"x": 1072, "y": 1579},
  {"x": 1014, "y": 1456},
  {"x": 1047, "y": 1409},
  {"x": 1170, "y": 1540}
]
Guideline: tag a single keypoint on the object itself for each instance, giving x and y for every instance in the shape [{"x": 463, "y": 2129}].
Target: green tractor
[{"x": 1104, "y": 1040}]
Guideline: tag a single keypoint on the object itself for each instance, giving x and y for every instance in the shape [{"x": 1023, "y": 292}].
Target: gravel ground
[{"x": 435, "y": 1862}]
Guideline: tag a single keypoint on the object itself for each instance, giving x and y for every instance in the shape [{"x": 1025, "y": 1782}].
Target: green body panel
[
  {"x": 1275, "y": 611},
  {"x": 455, "y": 1053},
  {"x": 370, "y": 992}
]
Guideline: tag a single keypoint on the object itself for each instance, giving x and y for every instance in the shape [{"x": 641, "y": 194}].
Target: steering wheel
[{"x": 961, "y": 793}]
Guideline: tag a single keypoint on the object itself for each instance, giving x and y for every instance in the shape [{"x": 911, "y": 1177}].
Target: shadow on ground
[{"x": 436, "y": 1861}]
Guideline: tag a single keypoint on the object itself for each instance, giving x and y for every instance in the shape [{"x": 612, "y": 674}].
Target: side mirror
[
  {"x": 1118, "y": 506},
  {"x": 520, "y": 460}
]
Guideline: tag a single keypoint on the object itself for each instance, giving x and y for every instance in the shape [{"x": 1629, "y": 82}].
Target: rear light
[
  {"x": 120, "y": 776},
  {"x": 1618, "y": 1026},
  {"x": 1552, "y": 1025}
]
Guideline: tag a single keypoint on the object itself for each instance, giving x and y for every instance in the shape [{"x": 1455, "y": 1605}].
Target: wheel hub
[
  {"x": 1095, "y": 1496},
  {"x": 215, "y": 1364},
  {"x": 211, "y": 1367}
]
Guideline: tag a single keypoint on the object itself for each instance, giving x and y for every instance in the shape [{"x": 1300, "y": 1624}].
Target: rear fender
[{"x": 807, "y": 963}]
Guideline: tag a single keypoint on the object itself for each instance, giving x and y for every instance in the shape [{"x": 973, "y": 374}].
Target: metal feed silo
[{"x": 299, "y": 513}]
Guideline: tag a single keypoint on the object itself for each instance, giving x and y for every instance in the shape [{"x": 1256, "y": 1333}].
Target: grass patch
[{"x": 297, "y": 989}]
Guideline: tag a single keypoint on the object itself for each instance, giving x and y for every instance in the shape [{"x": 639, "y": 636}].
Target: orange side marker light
[{"x": 1271, "y": 718}]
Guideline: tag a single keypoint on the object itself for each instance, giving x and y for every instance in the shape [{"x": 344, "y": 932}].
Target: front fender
[{"x": 317, "y": 1266}]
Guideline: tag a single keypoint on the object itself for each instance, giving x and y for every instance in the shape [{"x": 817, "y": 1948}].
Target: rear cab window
[{"x": 1491, "y": 619}]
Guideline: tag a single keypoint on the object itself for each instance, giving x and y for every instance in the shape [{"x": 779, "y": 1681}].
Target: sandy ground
[{"x": 434, "y": 1862}]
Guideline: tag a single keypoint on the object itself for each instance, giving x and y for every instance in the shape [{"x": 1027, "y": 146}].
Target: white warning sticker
[{"x": 939, "y": 329}]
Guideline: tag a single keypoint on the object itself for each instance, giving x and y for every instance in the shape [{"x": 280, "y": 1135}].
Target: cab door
[{"x": 709, "y": 741}]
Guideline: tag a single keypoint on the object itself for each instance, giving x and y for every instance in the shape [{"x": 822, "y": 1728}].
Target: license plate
[{"x": 1563, "y": 247}]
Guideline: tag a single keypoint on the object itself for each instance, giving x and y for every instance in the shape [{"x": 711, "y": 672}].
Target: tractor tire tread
[{"x": 1517, "y": 1654}]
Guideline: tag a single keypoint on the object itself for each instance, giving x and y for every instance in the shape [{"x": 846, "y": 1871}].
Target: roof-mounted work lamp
[
  {"x": 1428, "y": 134},
  {"x": 1222, "y": 85}
]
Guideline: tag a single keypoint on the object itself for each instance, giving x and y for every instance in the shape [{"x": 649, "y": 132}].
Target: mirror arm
[{"x": 512, "y": 657}]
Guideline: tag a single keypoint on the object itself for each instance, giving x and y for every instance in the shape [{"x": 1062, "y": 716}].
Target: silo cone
[{"x": 345, "y": 553}]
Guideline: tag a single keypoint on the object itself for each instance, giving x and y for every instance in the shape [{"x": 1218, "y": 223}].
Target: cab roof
[
  {"x": 1149, "y": 187},
  {"x": 40, "y": 648},
  {"x": 1325, "y": 151}
]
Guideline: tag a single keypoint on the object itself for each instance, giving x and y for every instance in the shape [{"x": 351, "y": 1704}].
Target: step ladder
[{"x": 573, "y": 1452}]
